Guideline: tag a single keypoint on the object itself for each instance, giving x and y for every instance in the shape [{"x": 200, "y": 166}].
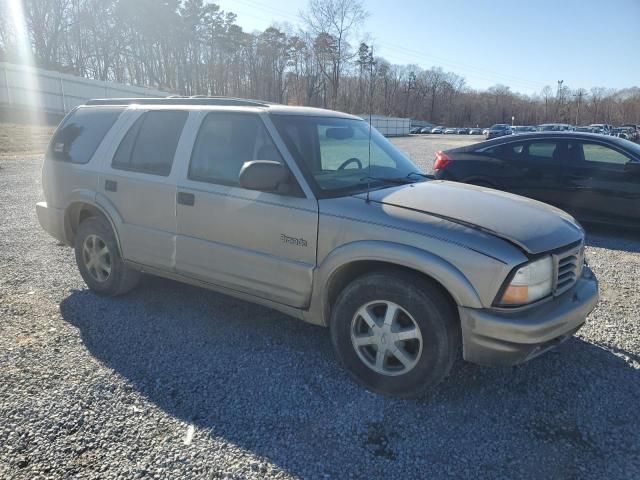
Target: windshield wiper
[
  {"x": 394, "y": 180},
  {"x": 423, "y": 175}
]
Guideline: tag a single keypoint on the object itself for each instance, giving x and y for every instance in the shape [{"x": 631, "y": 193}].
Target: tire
[
  {"x": 421, "y": 303},
  {"x": 108, "y": 275}
]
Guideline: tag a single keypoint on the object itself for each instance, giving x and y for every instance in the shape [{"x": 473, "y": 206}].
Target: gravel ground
[{"x": 172, "y": 381}]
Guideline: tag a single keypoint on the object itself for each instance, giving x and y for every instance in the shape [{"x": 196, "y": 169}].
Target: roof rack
[{"x": 178, "y": 100}]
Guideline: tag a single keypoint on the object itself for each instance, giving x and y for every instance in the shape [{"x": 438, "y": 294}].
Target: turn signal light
[{"x": 516, "y": 295}]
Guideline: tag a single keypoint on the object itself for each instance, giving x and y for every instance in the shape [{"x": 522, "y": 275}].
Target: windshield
[
  {"x": 334, "y": 153},
  {"x": 498, "y": 127}
]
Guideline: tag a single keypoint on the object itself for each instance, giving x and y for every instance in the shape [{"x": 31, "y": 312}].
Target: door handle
[
  {"x": 185, "y": 198},
  {"x": 111, "y": 185}
]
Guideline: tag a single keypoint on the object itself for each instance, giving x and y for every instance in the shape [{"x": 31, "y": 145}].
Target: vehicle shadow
[
  {"x": 271, "y": 385},
  {"x": 613, "y": 238}
]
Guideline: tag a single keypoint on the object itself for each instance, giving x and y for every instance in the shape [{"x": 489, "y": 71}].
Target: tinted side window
[
  {"x": 508, "y": 151},
  {"x": 601, "y": 154},
  {"x": 150, "y": 144},
  {"x": 546, "y": 150},
  {"x": 78, "y": 138},
  {"x": 225, "y": 142}
]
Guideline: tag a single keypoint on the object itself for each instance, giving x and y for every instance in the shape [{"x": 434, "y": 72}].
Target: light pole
[{"x": 581, "y": 93}]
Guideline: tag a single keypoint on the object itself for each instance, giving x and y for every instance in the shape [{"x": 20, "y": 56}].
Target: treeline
[{"x": 191, "y": 47}]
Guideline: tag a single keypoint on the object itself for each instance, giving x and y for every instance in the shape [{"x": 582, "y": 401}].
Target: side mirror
[
  {"x": 632, "y": 167},
  {"x": 263, "y": 175}
]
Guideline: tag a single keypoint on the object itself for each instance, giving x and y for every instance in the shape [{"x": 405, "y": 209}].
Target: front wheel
[
  {"x": 99, "y": 260},
  {"x": 395, "y": 332}
]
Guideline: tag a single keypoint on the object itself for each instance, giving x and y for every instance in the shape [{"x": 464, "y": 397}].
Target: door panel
[
  {"x": 260, "y": 243},
  {"x": 530, "y": 168},
  {"x": 147, "y": 208},
  {"x": 138, "y": 183},
  {"x": 542, "y": 169},
  {"x": 600, "y": 187},
  {"x": 256, "y": 242}
]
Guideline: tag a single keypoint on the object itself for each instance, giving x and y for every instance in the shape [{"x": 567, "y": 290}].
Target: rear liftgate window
[{"x": 78, "y": 137}]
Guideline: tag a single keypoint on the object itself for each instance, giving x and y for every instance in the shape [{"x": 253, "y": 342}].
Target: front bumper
[
  {"x": 51, "y": 220},
  {"x": 503, "y": 338}
]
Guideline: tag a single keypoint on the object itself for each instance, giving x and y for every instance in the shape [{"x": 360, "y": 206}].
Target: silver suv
[{"x": 309, "y": 212}]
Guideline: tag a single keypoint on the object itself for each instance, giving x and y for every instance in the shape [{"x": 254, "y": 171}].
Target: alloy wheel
[
  {"x": 386, "y": 338},
  {"x": 97, "y": 258}
]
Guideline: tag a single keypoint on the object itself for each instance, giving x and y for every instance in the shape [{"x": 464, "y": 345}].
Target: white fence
[
  {"x": 389, "y": 126},
  {"x": 24, "y": 87}
]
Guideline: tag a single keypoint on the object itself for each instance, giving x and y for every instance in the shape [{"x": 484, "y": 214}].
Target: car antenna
[{"x": 370, "y": 110}]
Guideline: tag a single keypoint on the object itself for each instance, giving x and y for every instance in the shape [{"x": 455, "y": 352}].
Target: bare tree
[
  {"x": 194, "y": 47},
  {"x": 333, "y": 22}
]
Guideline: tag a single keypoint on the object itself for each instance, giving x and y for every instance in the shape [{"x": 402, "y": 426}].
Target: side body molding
[{"x": 414, "y": 258}]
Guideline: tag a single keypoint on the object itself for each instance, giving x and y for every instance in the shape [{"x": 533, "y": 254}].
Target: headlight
[{"x": 530, "y": 282}]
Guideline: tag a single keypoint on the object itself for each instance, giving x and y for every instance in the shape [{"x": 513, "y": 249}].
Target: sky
[{"x": 522, "y": 44}]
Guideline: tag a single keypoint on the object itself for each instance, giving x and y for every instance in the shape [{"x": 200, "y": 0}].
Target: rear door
[
  {"x": 599, "y": 185},
  {"x": 139, "y": 184},
  {"x": 500, "y": 166},
  {"x": 532, "y": 168},
  {"x": 543, "y": 167},
  {"x": 260, "y": 243}
]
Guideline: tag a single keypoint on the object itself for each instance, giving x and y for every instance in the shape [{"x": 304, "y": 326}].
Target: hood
[{"x": 533, "y": 226}]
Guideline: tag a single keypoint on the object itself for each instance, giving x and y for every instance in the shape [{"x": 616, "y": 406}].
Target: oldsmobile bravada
[{"x": 306, "y": 211}]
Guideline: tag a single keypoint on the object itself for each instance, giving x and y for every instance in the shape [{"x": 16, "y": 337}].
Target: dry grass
[{"x": 16, "y": 139}]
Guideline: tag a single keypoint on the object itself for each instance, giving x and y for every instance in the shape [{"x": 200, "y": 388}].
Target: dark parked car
[
  {"x": 415, "y": 129},
  {"x": 463, "y": 131},
  {"x": 524, "y": 129},
  {"x": 594, "y": 177},
  {"x": 499, "y": 130}
]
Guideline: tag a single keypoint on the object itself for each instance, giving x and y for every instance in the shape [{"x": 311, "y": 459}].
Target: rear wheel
[
  {"x": 395, "y": 332},
  {"x": 99, "y": 261}
]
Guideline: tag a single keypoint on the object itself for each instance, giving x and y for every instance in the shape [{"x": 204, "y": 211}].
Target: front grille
[{"x": 568, "y": 267}]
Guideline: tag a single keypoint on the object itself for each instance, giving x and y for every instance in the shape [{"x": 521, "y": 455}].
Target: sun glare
[{"x": 24, "y": 83}]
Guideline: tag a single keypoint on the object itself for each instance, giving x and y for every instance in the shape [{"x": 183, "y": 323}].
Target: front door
[
  {"x": 261, "y": 243},
  {"x": 599, "y": 185}
]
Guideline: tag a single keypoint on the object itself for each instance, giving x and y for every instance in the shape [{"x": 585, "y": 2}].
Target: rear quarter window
[
  {"x": 77, "y": 139},
  {"x": 150, "y": 144}
]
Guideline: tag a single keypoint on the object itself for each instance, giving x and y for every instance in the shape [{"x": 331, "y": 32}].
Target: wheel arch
[
  {"x": 83, "y": 206},
  {"x": 346, "y": 263}
]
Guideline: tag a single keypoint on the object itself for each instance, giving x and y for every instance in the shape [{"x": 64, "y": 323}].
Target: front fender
[{"x": 452, "y": 279}]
